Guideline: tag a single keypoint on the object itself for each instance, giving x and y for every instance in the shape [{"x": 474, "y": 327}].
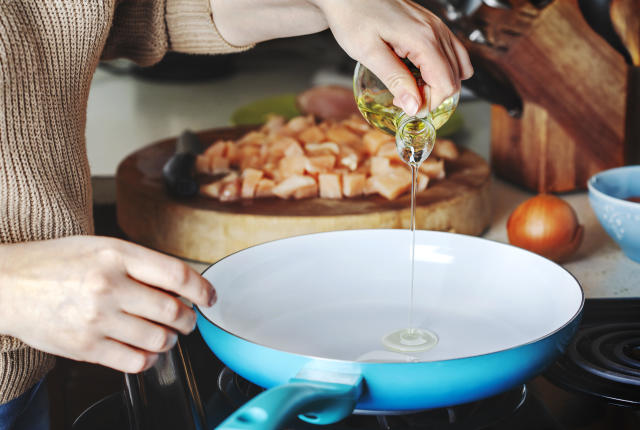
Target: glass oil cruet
[{"x": 415, "y": 138}]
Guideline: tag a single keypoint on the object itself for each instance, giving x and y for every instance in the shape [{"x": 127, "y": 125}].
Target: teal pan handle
[{"x": 313, "y": 401}]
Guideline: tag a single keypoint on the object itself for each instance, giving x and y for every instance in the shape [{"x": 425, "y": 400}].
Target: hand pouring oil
[{"x": 415, "y": 138}]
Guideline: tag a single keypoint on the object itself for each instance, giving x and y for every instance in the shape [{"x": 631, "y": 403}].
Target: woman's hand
[
  {"x": 378, "y": 33},
  {"x": 97, "y": 299},
  {"x": 375, "y": 32}
]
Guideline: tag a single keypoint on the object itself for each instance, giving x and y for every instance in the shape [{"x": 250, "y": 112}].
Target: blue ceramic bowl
[{"x": 608, "y": 194}]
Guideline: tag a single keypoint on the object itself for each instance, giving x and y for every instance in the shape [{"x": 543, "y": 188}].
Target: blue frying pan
[{"x": 305, "y": 317}]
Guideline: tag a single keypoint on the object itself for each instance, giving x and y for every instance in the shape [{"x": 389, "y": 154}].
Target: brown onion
[{"x": 546, "y": 225}]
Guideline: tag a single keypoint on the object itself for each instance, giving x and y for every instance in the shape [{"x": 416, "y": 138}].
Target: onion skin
[{"x": 546, "y": 225}]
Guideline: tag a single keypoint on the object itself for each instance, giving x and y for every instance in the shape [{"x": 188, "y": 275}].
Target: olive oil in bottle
[{"x": 415, "y": 138}]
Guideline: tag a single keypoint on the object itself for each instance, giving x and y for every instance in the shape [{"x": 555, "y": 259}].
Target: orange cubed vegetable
[
  {"x": 265, "y": 188},
  {"x": 388, "y": 150},
  {"x": 312, "y": 135},
  {"x": 322, "y": 148},
  {"x": 299, "y": 184},
  {"x": 348, "y": 158},
  {"x": 250, "y": 179},
  {"x": 290, "y": 166},
  {"x": 392, "y": 184},
  {"x": 353, "y": 184},
  {"x": 252, "y": 138},
  {"x": 445, "y": 148},
  {"x": 342, "y": 135},
  {"x": 320, "y": 163},
  {"x": 379, "y": 165},
  {"x": 218, "y": 149},
  {"x": 422, "y": 182},
  {"x": 330, "y": 186},
  {"x": 372, "y": 140},
  {"x": 273, "y": 124},
  {"x": 219, "y": 165},
  {"x": 357, "y": 124},
  {"x": 211, "y": 189},
  {"x": 298, "y": 124},
  {"x": 232, "y": 152},
  {"x": 432, "y": 168},
  {"x": 230, "y": 191}
]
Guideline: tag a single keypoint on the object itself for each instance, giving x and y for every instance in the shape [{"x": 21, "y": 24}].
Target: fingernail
[
  {"x": 173, "y": 340},
  {"x": 213, "y": 298},
  {"x": 409, "y": 103}
]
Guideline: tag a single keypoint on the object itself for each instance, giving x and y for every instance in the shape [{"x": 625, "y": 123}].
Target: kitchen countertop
[{"x": 126, "y": 113}]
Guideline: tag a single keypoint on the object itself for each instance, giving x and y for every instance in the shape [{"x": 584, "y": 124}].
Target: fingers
[
  {"x": 395, "y": 76},
  {"x": 167, "y": 273},
  {"x": 155, "y": 305},
  {"x": 140, "y": 333},
  {"x": 464, "y": 63},
  {"x": 122, "y": 357}
]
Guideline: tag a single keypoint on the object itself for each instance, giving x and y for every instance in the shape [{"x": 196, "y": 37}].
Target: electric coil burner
[
  {"x": 604, "y": 358},
  {"x": 595, "y": 385}
]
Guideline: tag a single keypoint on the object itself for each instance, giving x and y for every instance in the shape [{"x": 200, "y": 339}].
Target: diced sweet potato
[
  {"x": 445, "y": 148},
  {"x": 211, "y": 189},
  {"x": 320, "y": 163},
  {"x": 388, "y": 150},
  {"x": 251, "y": 161},
  {"x": 432, "y": 168},
  {"x": 342, "y": 135},
  {"x": 252, "y": 138},
  {"x": 232, "y": 152},
  {"x": 330, "y": 186},
  {"x": 250, "y": 179},
  {"x": 357, "y": 124},
  {"x": 298, "y": 124},
  {"x": 312, "y": 135},
  {"x": 370, "y": 186},
  {"x": 392, "y": 184},
  {"x": 230, "y": 191},
  {"x": 290, "y": 166},
  {"x": 218, "y": 149},
  {"x": 372, "y": 140},
  {"x": 295, "y": 184},
  {"x": 273, "y": 124},
  {"x": 322, "y": 148},
  {"x": 307, "y": 191},
  {"x": 353, "y": 184},
  {"x": 219, "y": 165},
  {"x": 422, "y": 182},
  {"x": 348, "y": 158},
  {"x": 379, "y": 165},
  {"x": 279, "y": 146},
  {"x": 265, "y": 188}
]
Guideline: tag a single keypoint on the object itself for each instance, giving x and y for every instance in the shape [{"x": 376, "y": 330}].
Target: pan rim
[{"x": 337, "y": 360}]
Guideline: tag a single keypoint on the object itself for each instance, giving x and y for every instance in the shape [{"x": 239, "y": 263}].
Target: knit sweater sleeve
[{"x": 144, "y": 30}]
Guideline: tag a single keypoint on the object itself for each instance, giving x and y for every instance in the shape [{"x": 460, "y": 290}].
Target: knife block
[{"x": 573, "y": 86}]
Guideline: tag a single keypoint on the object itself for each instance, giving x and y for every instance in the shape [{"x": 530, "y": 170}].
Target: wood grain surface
[
  {"x": 573, "y": 85},
  {"x": 206, "y": 230}
]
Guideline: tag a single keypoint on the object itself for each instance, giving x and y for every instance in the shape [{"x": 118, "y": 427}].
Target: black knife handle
[
  {"x": 179, "y": 171},
  {"x": 496, "y": 90}
]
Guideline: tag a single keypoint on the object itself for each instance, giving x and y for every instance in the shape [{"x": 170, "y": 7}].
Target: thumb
[{"x": 386, "y": 65}]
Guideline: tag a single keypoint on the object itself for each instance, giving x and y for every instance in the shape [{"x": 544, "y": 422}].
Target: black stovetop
[{"x": 191, "y": 389}]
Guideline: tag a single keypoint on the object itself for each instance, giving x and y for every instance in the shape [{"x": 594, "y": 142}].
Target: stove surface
[{"x": 190, "y": 388}]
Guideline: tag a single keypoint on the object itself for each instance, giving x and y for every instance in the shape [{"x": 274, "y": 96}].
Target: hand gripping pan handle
[{"x": 317, "y": 402}]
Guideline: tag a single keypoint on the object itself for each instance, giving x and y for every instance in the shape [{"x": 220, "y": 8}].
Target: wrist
[{"x": 7, "y": 285}]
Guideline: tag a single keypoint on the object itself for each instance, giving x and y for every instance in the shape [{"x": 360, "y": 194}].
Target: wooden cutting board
[{"x": 206, "y": 230}]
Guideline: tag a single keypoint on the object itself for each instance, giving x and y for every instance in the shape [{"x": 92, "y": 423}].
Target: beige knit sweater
[{"x": 49, "y": 50}]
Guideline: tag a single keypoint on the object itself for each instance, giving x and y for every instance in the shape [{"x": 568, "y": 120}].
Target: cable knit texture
[{"x": 49, "y": 50}]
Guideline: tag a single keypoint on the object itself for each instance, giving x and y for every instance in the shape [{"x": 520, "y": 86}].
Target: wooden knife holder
[{"x": 573, "y": 86}]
